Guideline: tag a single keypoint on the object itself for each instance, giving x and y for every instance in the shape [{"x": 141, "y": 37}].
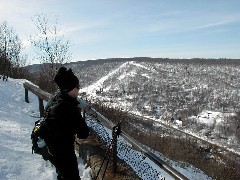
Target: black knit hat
[{"x": 66, "y": 80}]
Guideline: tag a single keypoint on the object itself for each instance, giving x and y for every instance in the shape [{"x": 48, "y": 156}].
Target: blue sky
[{"x": 135, "y": 28}]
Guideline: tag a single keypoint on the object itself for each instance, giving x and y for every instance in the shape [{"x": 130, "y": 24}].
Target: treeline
[{"x": 214, "y": 161}]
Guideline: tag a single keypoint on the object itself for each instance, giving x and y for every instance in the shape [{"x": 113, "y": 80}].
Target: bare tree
[
  {"x": 10, "y": 48},
  {"x": 51, "y": 48}
]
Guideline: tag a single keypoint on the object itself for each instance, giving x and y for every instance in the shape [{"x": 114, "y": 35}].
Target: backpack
[{"x": 38, "y": 144}]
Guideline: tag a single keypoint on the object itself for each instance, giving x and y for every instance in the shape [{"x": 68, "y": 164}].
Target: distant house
[{"x": 177, "y": 122}]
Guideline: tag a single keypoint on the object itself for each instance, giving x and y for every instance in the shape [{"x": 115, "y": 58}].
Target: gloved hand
[
  {"x": 117, "y": 130},
  {"x": 83, "y": 104}
]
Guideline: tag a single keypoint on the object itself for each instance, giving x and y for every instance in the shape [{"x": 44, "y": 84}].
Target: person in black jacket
[{"x": 63, "y": 122}]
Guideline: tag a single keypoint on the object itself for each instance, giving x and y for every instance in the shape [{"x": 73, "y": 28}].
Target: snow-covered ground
[{"x": 16, "y": 122}]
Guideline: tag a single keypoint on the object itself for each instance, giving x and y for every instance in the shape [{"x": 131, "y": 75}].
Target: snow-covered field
[{"x": 16, "y": 122}]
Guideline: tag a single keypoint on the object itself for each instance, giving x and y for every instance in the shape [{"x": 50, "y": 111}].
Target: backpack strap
[{"x": 46, "y": 114}]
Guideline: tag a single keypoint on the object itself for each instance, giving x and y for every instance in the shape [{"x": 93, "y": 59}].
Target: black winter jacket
[{"x": 64, "y": 120}]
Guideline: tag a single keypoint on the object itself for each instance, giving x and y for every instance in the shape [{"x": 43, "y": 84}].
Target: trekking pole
[
  {"x": 107, "y": 163},
  {"x": 115, "y": 134},
  {"x": 111, "y": 151},
  {"x": 105, "y": 156}
]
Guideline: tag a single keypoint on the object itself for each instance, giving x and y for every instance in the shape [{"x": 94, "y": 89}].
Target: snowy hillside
[
  {"x": 16, "y": 122},
  {"x": 200, "y": 98}
]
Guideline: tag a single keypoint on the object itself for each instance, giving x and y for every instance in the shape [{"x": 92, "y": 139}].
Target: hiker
[{"x": 63, "y": 122}]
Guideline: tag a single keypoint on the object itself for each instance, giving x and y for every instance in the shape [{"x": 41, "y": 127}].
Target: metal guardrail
[
  {"x": 163, "y": 165},
  {"x": 42, "y": 95}
]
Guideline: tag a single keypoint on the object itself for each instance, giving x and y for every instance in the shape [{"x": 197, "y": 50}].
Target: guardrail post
[
  {"x": 41, "y": 107},
  {"x": 42, "y": 95},
  {"x": 26, "y": 96}
]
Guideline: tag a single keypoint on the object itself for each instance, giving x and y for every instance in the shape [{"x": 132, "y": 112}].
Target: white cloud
[
  {"x": 81, "y": 26},
  {"x": 183, "y": 22},
  {"x": 221, "y": 21}
]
